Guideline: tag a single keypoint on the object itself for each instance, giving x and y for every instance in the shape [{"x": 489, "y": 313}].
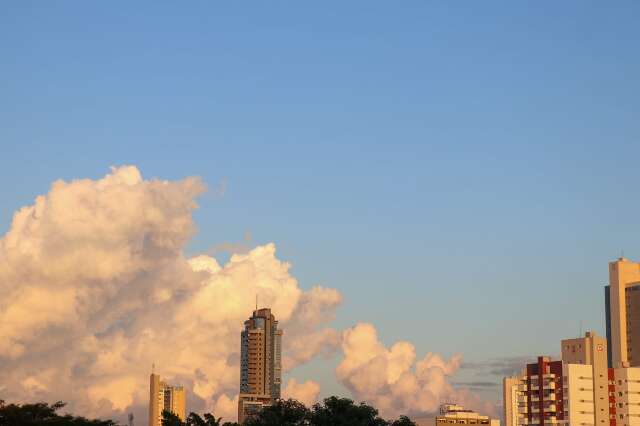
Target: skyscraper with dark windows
[{"x": 260, "y": 363}]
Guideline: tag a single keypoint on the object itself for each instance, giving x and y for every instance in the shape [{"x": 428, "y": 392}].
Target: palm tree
[{"x": 209, "y": 420}]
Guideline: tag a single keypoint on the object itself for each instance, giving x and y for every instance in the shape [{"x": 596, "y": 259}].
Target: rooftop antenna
[
  {"x": 580, "y": 335},
  {"x": 153, "y": 368},
  {"x": 256, "y": 301}
]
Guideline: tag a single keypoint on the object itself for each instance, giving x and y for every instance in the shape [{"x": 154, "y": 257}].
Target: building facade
[
  {"x": 573, "y": 391},
  {"x": 510, "y": 400},
  {"x": 554, "y": 393},
  {"x": 624, "y": 396},
  {"x": 592, "y": 350},
  {"x": 164, "y": 397},
  {"x": 455, "y": 414},
  {"x": 622, "y": 310},
  {"x": 260, "y": 363}
]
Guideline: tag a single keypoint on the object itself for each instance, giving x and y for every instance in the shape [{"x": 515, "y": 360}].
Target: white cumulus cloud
[
  {"x": 393, "y": 379},
  {"x": 96, "y": 288},
  {"x": 305, "y": 392}
]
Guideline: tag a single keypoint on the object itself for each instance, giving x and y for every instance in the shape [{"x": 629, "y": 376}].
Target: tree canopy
[
  {"x": 332, "y": 411},
  {"x": 193, "y": 419},
  {"x": 41, "y": 413}
]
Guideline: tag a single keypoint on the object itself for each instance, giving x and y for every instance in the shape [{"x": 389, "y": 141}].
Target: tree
[
  {"x": 41, "y": 413},
  {"x": 209, "y": 420},
  {"x": 336, "y": 411},
  {"x": 282, "y": 413},
  {"x": 171, "y": 419},
  {"x": 403, "y": 421}
]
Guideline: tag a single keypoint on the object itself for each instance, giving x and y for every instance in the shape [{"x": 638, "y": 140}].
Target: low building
[
  {"x": 251, "y": 404},
  {"x": 455, "y": 414}
]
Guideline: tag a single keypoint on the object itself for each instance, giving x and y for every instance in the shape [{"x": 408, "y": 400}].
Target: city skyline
[{"x": 426, "y": 196}]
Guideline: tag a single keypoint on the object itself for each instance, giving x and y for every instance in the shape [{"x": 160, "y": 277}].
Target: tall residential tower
[
  {"x": 164, "y": 397},
  {"x": 592, "y": 350},
  {"x": 622, "y": 307},
  {"x": 260, "y": 363}
]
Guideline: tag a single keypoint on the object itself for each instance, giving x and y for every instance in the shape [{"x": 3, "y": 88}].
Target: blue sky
[{"x": 462, "y": 172}]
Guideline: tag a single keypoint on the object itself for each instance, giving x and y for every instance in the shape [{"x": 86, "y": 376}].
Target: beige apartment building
[
  {"x": 164, "y": 397},
  {"x": 592, "y": 350},
  {"x": 510, "y": 400},
  {"x": 455, "y": 414},
  {"x": 571, "y": 391},
  {"x": 622, "y": 306},
  {"x": 260, "y": 363},
  {"x": 624, "y": 391},
  {"x": 553, "y": 393}
]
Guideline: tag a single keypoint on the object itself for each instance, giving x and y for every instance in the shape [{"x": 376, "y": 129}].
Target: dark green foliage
[
  {"x": 403, "y": 421},
  {"x": 333, "y": 411},
  {"x": 344, "y": 412},
  {"x": 283, "y": 413},
  {"x": 42, "y": 413},
  {"x": 209, "y": 420},
  {"x": 170, "y": 419},
  {"x": 193, "y": 419}
]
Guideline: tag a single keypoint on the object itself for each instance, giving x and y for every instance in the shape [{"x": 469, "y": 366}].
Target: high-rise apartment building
[
  {"x": 553, "y": 393},
  {"x": 260, "y": 363},
  {"x": 164, "y": 397},
  {"x": 573, "y": 391},
  {"x": 622, "y": 309},
  {"x": 510, "y": 400},
  {"x": 592, "y": 350},
  {"x": 624, "y": 394}
]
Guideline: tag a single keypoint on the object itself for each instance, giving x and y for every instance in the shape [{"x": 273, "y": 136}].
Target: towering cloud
[
  {"x": 393, "y": 380},
  {"x": 96, "y": 289},
  {"x": 306, "y": 392}
]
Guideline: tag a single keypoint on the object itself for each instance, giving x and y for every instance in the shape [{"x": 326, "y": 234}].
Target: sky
[{"x": 460, "y": 173}]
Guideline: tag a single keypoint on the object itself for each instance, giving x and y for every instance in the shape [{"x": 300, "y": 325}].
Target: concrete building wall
[
  {"x": 622, "y": 274},
  {"x": 155, "y": 400},
  {"x": 591, "y": 350},
  {"x": 165, "y": 397},
  {"x": 578, "y": 383},
  {"x": 455, "y": 414},
  {"x": 632, "y": 299},
  {"x": 625, "y": 396},
  {"x": 510, "y": 400},
  {"x": 553, "y": 392},
  {"x": 178, "y": 401}
]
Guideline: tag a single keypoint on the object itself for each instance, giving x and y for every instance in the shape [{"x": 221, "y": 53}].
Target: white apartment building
[{"x": 624, "y": 396}]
